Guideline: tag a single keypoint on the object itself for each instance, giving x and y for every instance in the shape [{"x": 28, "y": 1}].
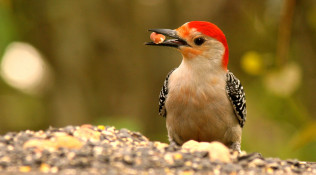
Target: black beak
[{"x": 175, "y": 40}]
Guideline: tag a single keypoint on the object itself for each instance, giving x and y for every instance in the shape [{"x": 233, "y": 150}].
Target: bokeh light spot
[
  {"x": 251, "y": 63},
  {"x": 22, "y": 66},
  {"x": 285, "y": 81}
]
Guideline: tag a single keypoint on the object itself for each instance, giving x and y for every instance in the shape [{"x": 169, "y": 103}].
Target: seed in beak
[{"x": 157, "y": 38}]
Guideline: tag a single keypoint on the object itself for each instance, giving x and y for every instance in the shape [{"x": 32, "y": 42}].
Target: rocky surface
[{"x": 104, "y": 150}]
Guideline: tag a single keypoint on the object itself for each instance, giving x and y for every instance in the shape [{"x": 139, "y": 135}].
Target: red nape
[{"x": 213, "y": 31}]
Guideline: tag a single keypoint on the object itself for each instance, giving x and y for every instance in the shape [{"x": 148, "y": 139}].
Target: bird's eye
[{"x": 199, "y": 41}]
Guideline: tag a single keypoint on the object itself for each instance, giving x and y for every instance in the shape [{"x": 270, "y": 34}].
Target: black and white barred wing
[
  {"x": 236, "y": 94},
  {"x": 163, "y": 96}
]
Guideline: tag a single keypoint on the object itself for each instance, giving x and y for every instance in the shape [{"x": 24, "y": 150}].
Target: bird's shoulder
[{"x": 236, "y": 94}]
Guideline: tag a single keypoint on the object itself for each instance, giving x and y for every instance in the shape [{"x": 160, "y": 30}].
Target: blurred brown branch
[{"x": 284, "y": 34}]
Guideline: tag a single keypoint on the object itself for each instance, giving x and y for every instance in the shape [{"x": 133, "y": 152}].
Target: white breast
[{"x": 197, "y": 105}]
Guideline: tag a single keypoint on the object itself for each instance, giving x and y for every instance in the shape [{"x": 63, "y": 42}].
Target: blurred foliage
[
  {"x": 7, "y": 28},
  {"x": 103, "y": 74}
]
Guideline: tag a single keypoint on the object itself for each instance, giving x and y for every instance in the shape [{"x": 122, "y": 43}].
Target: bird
[{"x": 201, "y": 99}]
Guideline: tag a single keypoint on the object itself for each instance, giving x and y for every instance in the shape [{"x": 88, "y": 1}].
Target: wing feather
[
  {"x": 236, "y": 94},
  {"x": 163, "y": 96}
]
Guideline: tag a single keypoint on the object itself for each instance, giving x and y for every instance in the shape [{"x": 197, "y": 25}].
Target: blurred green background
[{"x": 71, "y": 62}]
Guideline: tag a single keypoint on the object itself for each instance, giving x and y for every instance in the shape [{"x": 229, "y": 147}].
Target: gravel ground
[{"x": 90, "y": 149}]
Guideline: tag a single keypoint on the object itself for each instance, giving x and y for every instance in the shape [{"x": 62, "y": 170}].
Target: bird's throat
[{"x": 189, "y": 52}]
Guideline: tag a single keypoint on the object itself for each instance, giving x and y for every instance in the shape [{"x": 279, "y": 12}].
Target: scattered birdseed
[{"x": 102, "y": 149}]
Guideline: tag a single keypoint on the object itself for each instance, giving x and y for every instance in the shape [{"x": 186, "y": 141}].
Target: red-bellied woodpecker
[{"x": 201, "y": 99}]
